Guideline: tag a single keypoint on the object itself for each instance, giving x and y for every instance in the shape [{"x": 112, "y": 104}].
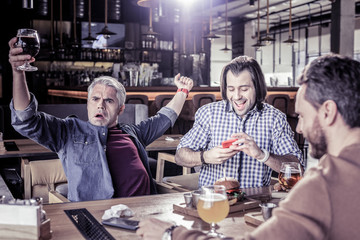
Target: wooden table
[
  {"x": 159, "y": 206},
  {"x": 27, "y": 148},
  {"x": 161, "y": 144}
]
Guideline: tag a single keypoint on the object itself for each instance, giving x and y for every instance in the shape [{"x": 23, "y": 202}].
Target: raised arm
[
  {"x": 178, "y": 100},
  {"x": 21, "y": 95}
]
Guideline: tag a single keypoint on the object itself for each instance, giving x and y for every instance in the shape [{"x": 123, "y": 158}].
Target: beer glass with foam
[{"x": 213, "y": 206}]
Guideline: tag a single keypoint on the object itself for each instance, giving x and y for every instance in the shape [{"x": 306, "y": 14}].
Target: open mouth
[
  {"x": 99, "y": 116},
  {"x": 240, "y": 105}
]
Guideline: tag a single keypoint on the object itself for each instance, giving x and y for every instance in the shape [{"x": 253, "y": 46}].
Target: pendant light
[
  {"x": 211, "y": 36},
  {"x": 150, "y": 35},
  {"x": 61, "y": 25},
  {"x": 202, "y": 50},
  {"x": 258, "y": 43},
  {"x": 194, "y": 44},
  {"x": 105, "y": 31},
  {"x": 226, "y": 49},
  {"x": 267, "y": 39},
  {"x": 290, "y": 40},
  {"x": 89, "y": 38},
  {"x": 52, "y": 26},
  {"x": 183, "y": 54},
  {"x": 75, "y": 44}
]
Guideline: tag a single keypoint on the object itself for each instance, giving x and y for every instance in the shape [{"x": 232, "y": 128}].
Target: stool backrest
[
  {"x": 162, "y": 100},
  {"x": 279, "y": 101},
  {"x": 202, "y": 99},
  {"x": 137, "y": 99}
]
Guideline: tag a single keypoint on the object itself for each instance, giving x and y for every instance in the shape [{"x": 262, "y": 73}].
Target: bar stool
[
  {"x": 279, "y": 101},
  {"x": 201, "y": 99},
  {"x": 187, "y": 117},
  {"x": 161, "y": 101},
  {"x": 137, "y": 99}
]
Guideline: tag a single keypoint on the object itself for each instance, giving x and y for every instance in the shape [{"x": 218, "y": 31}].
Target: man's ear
[
  {"x": 121, "y": 110},
  {"x": 329, "y": 112}
]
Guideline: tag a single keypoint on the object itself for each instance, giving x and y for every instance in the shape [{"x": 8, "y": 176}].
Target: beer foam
[{"x": 215, "y": 197}]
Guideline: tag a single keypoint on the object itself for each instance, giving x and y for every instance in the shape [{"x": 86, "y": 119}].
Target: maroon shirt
[{"x": 128, "y": 174}]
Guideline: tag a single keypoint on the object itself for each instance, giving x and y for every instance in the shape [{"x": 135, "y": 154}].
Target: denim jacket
[{"x": 81, "y": 146}]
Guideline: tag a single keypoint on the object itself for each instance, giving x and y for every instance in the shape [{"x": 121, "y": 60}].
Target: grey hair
[{"x": 111, "y": 82}]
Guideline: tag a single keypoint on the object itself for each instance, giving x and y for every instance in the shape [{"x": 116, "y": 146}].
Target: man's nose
[
  {"x": 238, "y": 94},
  {"x": 298, "y": 127},
  {"x": 101, "y": 104}
]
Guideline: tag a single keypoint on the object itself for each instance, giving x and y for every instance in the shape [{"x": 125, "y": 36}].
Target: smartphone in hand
[
  {"x": 122, "y": 223},
  {"x": 227, "y": 143}
]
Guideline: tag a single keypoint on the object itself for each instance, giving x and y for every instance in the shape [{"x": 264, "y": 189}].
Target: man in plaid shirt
[{"x": 264, "y": 137}]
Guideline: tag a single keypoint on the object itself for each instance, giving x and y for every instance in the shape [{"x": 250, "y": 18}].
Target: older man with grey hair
[{"x": 101, "y": 158}]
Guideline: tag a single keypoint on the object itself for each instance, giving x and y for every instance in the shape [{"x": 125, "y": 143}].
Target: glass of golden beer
[
  {"x": 213, "y": 206},
  {"x": 290, "y": 174}
]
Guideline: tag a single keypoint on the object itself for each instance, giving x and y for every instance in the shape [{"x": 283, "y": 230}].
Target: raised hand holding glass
[{"x": 28, "y": 40}]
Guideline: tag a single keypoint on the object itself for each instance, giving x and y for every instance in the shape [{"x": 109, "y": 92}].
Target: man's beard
[{"x": 317, "y": 140}]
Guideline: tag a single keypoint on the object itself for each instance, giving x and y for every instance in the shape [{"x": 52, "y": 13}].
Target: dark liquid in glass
[
  {"x": 289, "y": 182},
  {"x": 29, "y": 44}
]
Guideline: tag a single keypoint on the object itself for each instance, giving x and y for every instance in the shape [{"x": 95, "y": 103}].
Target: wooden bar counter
[{"x": 152, "y": 92}]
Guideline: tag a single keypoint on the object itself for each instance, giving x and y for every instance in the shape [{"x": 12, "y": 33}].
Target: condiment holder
[
  {"x": 27, "y": 215},
  {"x": 192, "y": 198},
  {"x": 266, "y": 209}
]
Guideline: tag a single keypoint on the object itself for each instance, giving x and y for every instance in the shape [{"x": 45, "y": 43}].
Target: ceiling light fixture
[
  {"x": 211, "y": 36},
  {"x": 226, "y": 49},
  {"x": 105, "y": 31},
  {"x": 258, "y": 43},
  {"x": 75, "y": 44},
  {"x": 89, "y": 38},
  {"x": 184, "y": 55},
  {"x": 267, "y": 39},
  {"x": 150, "y": 35},
  {"x": 61, "y": 25},
  {"x": 290, "y": 40}
]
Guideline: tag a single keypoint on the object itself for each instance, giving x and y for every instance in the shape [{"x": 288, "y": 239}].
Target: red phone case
[{"x": 227, "y": 143}]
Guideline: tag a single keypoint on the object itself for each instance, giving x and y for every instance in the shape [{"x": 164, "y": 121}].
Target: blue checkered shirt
[{"x": 215, "y": 122}]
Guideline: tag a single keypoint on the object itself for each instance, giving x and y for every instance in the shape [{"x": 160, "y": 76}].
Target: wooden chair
[
  {"x": 279, "y": 101},
  {"x": 137, "y": 99},
  {"x": 183, "y": 183},
  {"x": 55, "y": 197},
  {"x": 186, "y": 117},
  {"x": 41, "y": 176},
  {"x": 202, "y": 99},
  {"x": 161, "y": 101}
]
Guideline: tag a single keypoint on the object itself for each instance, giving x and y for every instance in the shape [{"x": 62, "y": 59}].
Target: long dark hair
[
  {"x": 334, "y": 77},
  {"x": 239, "y": 64}
]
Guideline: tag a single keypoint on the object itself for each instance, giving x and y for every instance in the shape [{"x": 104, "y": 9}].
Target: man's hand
[
  {"x": 152, "y": 228},
  {"x": 247, "y": 144},
  {"x": 218, "y": 155},
  {"x": 14, "y": 58},
  {"x": 183, "y": 82}
]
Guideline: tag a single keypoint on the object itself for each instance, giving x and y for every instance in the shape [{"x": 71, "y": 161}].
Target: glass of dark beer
[
  {"x": 290, "y": 174},
  {"x": 28, "y": 40}
]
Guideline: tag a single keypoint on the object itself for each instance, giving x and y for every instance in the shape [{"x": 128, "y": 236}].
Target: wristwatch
[
  {"x": 184, "y": 90},
  {"x": 202, "y": 158},
  {"x": 168, "y": 233}
]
